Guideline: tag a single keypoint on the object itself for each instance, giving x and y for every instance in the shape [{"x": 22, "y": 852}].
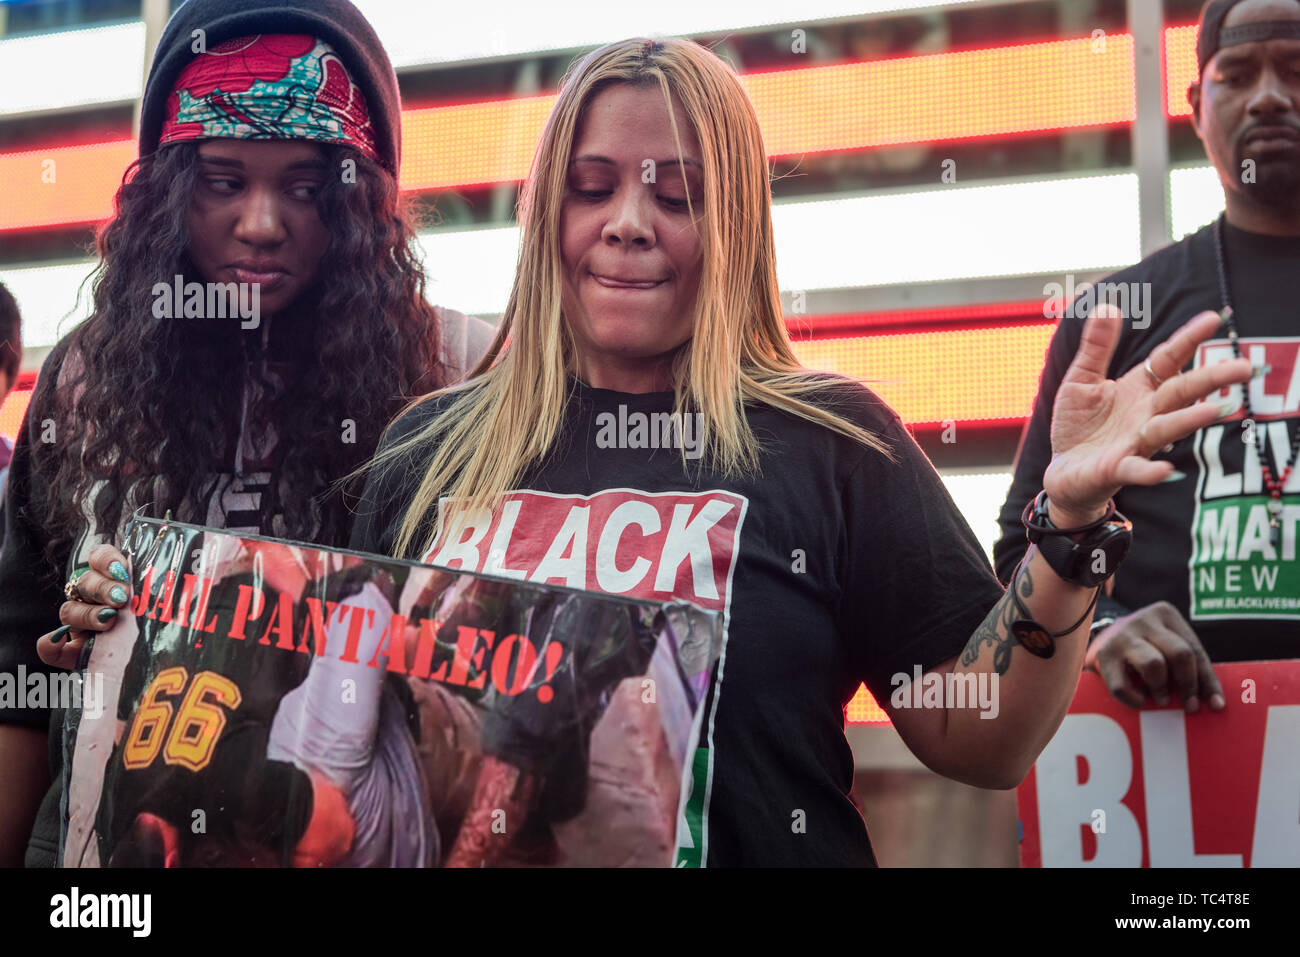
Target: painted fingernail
[
  {"x": 1260, "y": 371},
  {"x": 106, "y": 614},
  {"x": 1225, "y": 316},
  {"x": 1193, "y": 704},
  {"x": 1174, "y": 476},
  {"x": 1226, "y": 409},
  {"x": 118, "y": 571},
  {"x": 58, "y": 634},
  {"x": 1217, "y": 702},
  {"x": 117, "y": 594}
]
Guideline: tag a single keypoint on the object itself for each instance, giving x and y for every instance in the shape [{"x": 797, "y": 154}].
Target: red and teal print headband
[{"x": 269, "y": 87}]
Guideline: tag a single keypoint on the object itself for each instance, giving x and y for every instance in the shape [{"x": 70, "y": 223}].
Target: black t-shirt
[
  {"x": 832, "y": 566},
  {"x": 1202, "y": 543}
]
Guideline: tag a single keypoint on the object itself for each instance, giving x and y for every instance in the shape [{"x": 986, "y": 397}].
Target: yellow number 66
[{"x": 197, "y": 724}]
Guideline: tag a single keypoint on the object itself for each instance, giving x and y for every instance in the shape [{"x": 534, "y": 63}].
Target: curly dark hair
[{"x": 152, "y": 408}]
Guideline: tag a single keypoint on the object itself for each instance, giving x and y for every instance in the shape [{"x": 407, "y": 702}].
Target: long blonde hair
[{"x": 508, "y": 414}]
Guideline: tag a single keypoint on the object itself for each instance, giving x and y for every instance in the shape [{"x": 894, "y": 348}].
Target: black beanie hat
[{"x": 337, "y": 22}]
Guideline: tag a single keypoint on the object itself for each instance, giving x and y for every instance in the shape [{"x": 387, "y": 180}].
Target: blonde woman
[{"x": 641, "y": 427}]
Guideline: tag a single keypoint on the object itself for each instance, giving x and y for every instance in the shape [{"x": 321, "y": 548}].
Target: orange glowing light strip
[
  {"x": 817, "y": 109},
  {"x": 966, "y": 94},
  {"x": 863, "y": 709},
  {"x": 851, "y": 106},
  {"x": 982, "y": 375},
  {"x": 14, "y": 408},
  {"x": 62, "y": 186},
  {"x": 1180, "y": 68}
]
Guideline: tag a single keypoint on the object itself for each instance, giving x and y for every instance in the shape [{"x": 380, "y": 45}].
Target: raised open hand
[{"x": 1104, "y": 431}]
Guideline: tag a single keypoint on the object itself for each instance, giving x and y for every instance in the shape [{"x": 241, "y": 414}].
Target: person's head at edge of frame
[
  {"x": 11, "y": 342},
  {"x": 296, "y": 205},
  {"x": 1246, "y": 108},
  {"x": 11, "y": 359},
  {"x": 646, "y": 265}
]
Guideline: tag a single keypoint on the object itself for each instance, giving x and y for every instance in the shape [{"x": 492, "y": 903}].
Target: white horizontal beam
[
  {"x": 421, "y": 34},
  {"x": 72, "y": 68}
]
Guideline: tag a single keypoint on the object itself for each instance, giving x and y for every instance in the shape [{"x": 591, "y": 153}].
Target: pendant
[
  {"x": 1274, "y": 511},
  {"x": 1033, "y": 637}
]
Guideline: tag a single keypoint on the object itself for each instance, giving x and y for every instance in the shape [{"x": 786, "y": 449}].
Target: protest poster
[
  {"x": 278, "y": 704},
  {"x": 1157, "y": 787}
]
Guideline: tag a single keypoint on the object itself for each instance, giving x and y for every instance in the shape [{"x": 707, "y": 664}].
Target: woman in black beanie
[{"x": 269, "y": 152}]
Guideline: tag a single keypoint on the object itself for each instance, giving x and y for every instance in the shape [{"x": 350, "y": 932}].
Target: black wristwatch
[{"x": 1087, "y": 561}]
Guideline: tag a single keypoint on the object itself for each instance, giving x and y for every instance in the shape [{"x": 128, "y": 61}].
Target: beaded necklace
[{"x": 1274, "y": 485}]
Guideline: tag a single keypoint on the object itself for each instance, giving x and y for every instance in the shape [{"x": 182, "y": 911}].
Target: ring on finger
[
  {"x": 1155, "y": 379},
  {"x": 71, "y": 592}
]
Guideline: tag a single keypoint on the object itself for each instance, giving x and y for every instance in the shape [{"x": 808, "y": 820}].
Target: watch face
[
  {"x": 1033, "y": 637},
  {"x": 1113, "y": 547}
]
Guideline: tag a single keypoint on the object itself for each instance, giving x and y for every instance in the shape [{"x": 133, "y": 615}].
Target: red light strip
[
  {"x": 851, "y": 106},
  {"x": 802, "y": 328}
]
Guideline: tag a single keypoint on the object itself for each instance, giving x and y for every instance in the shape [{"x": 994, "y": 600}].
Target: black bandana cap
[{"x": 1213, "y": 36}]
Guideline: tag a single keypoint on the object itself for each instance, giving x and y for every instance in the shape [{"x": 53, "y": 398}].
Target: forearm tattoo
[{"x": 995, "y": 629}]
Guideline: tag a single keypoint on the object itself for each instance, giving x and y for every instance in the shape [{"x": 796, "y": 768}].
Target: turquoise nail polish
[
  {"x": 106, "y": 614},
  {"x": 1174, "y": 476},
  {"x": 117, "y": 594},
  {"x": 1261, "y": 371},
  {"x": 118, "y": 571},
  {"x": 58, "y": 634}
]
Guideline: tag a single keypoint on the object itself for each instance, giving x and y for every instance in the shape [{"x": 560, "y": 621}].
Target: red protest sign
[{"x": 1116, "y": 787}]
